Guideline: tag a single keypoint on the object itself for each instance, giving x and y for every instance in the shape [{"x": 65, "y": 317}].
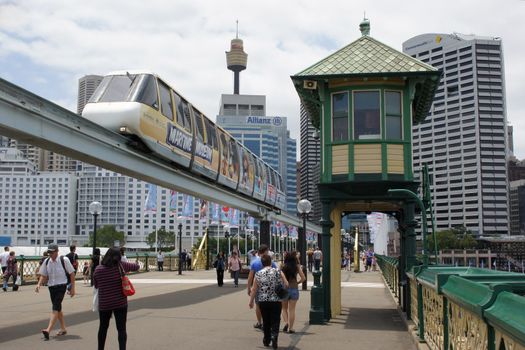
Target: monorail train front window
[
  {"x": 146, "y": 92},
  {"x": 131, "y": 87},
  {"x": 117, "y": 88}
]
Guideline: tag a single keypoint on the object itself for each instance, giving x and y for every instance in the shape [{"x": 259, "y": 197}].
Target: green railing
[
  {"x": 390, "y": 268},
  {"x": 467, "y": 308},
  {"x": 28, "y": 265}
]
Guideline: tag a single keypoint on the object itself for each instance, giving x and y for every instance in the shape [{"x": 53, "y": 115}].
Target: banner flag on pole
[
  {"x": 215, "y": 213},
  {"x": 150, "y": 206},
  {"x": 234, "y": 217},
  {"x": 203, "y": 211},
  {"x": 173, "y": 203},
  {"x": 225, "y": 214},
  {"x": 187, "y": 206}
]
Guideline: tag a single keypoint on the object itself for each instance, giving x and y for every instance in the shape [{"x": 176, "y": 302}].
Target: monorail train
[{"x": 145, "y": 108}]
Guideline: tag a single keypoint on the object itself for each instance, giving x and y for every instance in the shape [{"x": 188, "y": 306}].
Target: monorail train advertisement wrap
[{"x": 158, "y": 119}]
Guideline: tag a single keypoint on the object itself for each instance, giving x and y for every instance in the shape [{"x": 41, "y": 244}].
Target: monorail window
[
  {"x": 211, "y": 134},
  {"x": 118, "y": 88},
  {"x": 183, "y": 112},
  {"x": 393, "y": 115},
  {"x": 366, "y": 115},
  {"x": 340, "y": 116},
  {"x": 166, "y": 105},
  {"x": 147, "y": 91},
  {"x": 200, "y": 126}
]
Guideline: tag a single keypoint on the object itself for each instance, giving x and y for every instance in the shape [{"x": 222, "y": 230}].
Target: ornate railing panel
[
  {"x": 466, "y": 330},
  {"x": 433, "y": 318}
]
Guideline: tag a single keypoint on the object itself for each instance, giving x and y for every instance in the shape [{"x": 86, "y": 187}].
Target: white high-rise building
[
  {"x": 36, "y": 208},
  {"x": 123, "y": 203},
  {"x": 464, "y": 138}
]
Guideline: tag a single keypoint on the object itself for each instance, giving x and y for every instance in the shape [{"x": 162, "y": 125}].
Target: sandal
[
  {"x": 285, "y": 329},
  {"x": 61, "y": 332},
  {"x": 46, "y": 334},
  {"x": 291, "y": 331}
]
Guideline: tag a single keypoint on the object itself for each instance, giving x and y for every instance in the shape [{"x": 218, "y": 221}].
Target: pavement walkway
[{"x": 190, "y": 312}]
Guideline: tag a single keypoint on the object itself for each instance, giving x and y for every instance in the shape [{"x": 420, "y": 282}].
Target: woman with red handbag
[{"x": 108, "y": 279}]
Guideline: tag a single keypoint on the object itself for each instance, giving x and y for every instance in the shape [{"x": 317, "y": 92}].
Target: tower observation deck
[{"x": 236, "y": 60}]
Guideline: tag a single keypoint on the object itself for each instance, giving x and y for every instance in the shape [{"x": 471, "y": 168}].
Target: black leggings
[
  {"x": 120, "y": 320},
  {"x": 271, "y": 316}
]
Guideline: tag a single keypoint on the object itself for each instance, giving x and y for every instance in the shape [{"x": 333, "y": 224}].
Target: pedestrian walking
[
  {"x": 291, "y": 269},
  {"x": 235, "y": 265},
  {"x": 55, "y": 270},
  {"x": 95, "y": 261},
  {"x": 255, "y": 267},
  {"x": 369, "y": 255},
  {"x": 219, "y": 264},
  {"x": 310, "y": 258},
  {"x": 264, "y": 289},
  {"x": 85, "y": 272},
  {"x": 183, "y": 257},
  {"x": 160, "y": 261},
  {"x": 188, "y": 260},
  {"x": 10, "y": 271},
  {"x": 111, "y": 301},
  {"x": 3, "y": 259},
  {"x": 123, "y": 257},
  {"x": 73, "y": 257},
  {"x": 318, "y": 256}
]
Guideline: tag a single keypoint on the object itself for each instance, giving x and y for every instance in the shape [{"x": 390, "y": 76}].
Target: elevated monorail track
[{"x": 32, "y": 119}]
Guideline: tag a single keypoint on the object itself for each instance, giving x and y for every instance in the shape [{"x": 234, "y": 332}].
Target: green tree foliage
[
  {"x": 165, "y": 239},
  {"x": 456, "y": 238},
  {"x": 106, "y": 237}
]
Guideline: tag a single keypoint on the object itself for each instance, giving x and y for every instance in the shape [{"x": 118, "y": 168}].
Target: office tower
[
  {"x": 517, "y": 207},
  {"x": 310, "y": 169},
  {"x": 464, "y": 137},
  {"x": 86, "y": 87},
  {"x": 37, "y": 208}
]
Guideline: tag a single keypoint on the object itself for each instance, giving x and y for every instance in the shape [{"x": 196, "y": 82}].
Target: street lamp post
[
  {"x": 304, "y": 207},
  {"x": 95, "y": 208},
  {"x": 180, "y": 248}
]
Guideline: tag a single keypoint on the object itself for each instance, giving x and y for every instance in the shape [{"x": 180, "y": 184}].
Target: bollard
[{"x": 316, "y": 300}]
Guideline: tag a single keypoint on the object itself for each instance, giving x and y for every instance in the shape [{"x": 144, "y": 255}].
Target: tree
[
  {"x": 106, "y": 237},
  {"x": 165, "y": 239},
  {"x": 455, "y": 238}
]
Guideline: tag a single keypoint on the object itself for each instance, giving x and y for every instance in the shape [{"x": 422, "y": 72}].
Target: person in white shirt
[
  {"x": 3, "y": 259},
  {"x": 55, "y": 270},
  {"x": 160, "y": 261}
]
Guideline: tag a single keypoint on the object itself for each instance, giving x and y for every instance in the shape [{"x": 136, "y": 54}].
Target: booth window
[
  {"x": 393, "y": 115},
  {"x": 366, "y": 115},
  {"x": 340, "y": 116}
]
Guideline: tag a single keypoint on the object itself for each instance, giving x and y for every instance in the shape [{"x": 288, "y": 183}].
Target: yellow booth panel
[
  {"x": 340, "y": 159},
  {"x": 395, "y": 159},
  {"x": 367, "y": 158}
]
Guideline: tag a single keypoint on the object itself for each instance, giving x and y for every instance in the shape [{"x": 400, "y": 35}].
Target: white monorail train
[{"x": 145, "y": 108}]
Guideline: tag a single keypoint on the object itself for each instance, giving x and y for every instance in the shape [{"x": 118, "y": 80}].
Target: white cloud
[{"x": 185, "y": 42}]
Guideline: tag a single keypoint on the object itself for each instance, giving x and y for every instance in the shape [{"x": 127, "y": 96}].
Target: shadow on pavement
[
  {"x": 373, "y": 319},
  {"x": 162, "y": 301}
]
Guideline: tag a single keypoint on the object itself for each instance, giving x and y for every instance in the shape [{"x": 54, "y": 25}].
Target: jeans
[
  {"x": 6, "y": 280},
  {"x": 235, "y": 276},
  {"x": 271, "y": 315},
  {"x": 317, "y": 264},
  {"x": 120, "y": 321}
]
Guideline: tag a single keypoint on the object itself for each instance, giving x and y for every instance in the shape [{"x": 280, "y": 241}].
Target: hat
[{"x": 52, "y": 248}]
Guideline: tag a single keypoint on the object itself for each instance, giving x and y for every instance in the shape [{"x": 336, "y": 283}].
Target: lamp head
[
  {"x": 95, "y": 208},
  {"x": 304, "y": 206}
]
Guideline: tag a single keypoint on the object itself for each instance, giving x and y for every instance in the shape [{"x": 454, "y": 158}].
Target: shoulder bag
[
  {"x": 281, "y": 292},
  {"x": 127, "y": 288}
]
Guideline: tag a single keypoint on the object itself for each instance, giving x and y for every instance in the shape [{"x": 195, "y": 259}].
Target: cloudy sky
[{"x": 46, "y": 46}]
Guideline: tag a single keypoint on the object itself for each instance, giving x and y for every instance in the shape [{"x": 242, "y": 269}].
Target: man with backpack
[
  {"x": 60, "y": 276},
  {"x": 73, "y": 257}
]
